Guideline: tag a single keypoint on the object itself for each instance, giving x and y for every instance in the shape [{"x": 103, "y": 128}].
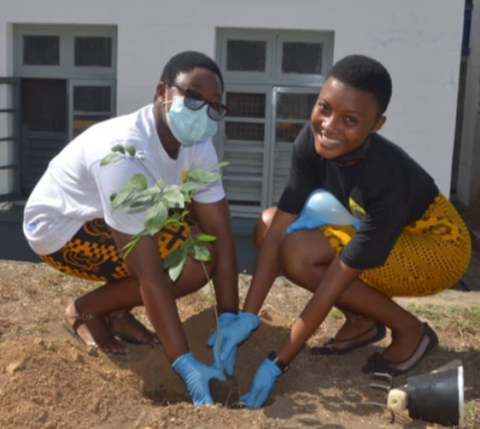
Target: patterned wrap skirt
[
  {"x": 92, "y": 254},
  {"x": 431, "y": 254}
]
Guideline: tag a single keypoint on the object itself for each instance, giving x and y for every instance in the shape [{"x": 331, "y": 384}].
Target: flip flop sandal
[
  {"x": 79, "y": 320},
  {"x": 427, "y": 344},
  {"x": 327, "y": 349},
  {"x": 127, "y": 338}
]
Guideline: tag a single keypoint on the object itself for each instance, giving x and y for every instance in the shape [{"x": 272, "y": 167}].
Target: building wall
[
  {"x": 418, "y": 41},
  {"x": 468, "y": 184}
]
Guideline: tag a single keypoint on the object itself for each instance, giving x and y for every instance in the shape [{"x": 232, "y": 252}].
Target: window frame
[
  {"x": 226, "y": 152},
  {"x": 66, "y": 68},
  {"x": 323, "y": 38},
  {"x": 271, "y": 81}
]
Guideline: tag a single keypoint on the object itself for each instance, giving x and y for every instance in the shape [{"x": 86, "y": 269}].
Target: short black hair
[
  {"x": 365, "y": 74},
  {"x": 185, "y": 62}
]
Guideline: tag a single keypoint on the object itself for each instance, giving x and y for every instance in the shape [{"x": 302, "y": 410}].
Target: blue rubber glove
[
  {"x": 263, "y": 383},
  {"x": 229, "y": 364},
  {"x": 196, "y": 376},
  {"x": 234, "y": 330}
]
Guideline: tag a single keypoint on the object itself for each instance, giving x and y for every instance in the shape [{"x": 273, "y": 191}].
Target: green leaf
[
  {"x": 175, "y": 271},
  {"x": 155, "y": 217},
  {"x": 131, "y": 244},
  {"x": 219, "y": 165},
  {"x": 131, "y": 149},
  {"x": 141, "y": 201},
  {"x": 138, "y": 181},
  {"x": 200, "y": 253},
  {"x": 123, "y": 196},
  {"x": 205, "y": 237},
  {"x": 211, "y": 177},
  {"x": 188, "y": 187},
  {"x": 118, "y": 148},
  {"x": 111, "y": 157},
  {"x": 196, "y": 174},
  {"x": 174, "y": 222},
  {"x": 174, "y": 198},
  {"x": 174, "y": 258}
]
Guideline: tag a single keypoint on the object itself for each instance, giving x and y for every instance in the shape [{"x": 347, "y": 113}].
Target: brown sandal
[
  {"x": 78, "y": 320},
  {"x": 126, "y": 314}
]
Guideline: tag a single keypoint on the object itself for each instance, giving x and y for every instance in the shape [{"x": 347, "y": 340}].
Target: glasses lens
[
  {"x": 217, "y": 111},
  {"x": 193, "y": 100}
]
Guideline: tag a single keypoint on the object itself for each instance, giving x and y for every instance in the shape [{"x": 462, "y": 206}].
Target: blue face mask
[{"x": 189, "y": 126}]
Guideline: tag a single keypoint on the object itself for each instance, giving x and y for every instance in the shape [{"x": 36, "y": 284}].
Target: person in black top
[{"x": 410, "y": 242}]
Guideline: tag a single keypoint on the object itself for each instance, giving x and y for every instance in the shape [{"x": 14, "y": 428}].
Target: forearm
[
  {"x": 336, "y": 280},
  {"x": 266, "y": 269},
  {"x": 225, "y": 275},
  {"x": 163, "y": 314}
]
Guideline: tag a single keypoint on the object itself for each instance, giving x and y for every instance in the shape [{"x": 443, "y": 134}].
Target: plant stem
[{"x": 215, "y": 309}]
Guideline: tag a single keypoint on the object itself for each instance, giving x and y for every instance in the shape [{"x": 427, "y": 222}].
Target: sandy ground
[{"x": 48, "y": 381}]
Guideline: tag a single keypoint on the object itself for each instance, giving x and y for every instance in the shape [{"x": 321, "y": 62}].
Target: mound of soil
[{"x": 48, "y": 381}]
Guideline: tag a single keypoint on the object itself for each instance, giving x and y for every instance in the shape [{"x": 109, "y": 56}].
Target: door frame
[{"x": 15, "y": 140}]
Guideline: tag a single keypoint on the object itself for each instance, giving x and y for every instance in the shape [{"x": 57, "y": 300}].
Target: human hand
[
  {"x": 196, "y": 377},
  {"x": 263, "y": 383},
  {"x": 234, "y": 330}
]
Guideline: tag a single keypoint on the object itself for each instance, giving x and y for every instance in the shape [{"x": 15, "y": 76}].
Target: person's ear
[
  {"x": 380, "y": 123},
  {"x": 160, "y": 92}
]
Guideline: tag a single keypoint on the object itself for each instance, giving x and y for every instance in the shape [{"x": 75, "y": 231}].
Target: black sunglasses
[{"x": 194, "y": 101}]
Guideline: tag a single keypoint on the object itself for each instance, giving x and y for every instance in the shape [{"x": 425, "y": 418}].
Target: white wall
[
  {"x": 468, "y": 184},
  {"x": 418, "y": 41}
]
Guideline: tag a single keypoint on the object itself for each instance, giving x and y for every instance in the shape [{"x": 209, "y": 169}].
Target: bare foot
[
  {"x": 93, "y": 333},
  {"x": 125, "y": 326}
]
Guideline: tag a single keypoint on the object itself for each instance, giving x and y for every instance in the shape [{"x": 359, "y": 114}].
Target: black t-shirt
[{"x": 386, "y": 189}]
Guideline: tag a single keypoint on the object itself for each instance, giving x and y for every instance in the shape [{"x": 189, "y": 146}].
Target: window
[
  {"x": 272, "y": 80},
  {"x": 41, "y": 50},
  {"x": 93, "y": 51},
  {"x": 302, "y": 58},
  {"x": 246, "y": 56},
  {"x": 67, "y": 80},
  {"x": 54, "y": 51}
]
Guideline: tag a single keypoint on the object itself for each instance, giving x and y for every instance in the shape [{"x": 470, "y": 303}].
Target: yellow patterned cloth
[
  {"x": 431, "y": 254},
  {"x": 93, "y": 255}
]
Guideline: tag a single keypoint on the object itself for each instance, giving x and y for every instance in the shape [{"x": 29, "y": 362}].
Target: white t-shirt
[{"x": 76, "y": 189}]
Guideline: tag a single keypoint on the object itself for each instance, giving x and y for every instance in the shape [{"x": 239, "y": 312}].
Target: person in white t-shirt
[{"x": 70, "y": 224}]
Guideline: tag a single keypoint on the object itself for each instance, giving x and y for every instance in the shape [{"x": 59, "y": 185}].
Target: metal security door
[{"x": 9, "y": 139}]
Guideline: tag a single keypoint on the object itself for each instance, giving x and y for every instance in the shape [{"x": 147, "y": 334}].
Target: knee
[
  {"x": 262, "y": 224},
  {"x": 293, "y": 258}
]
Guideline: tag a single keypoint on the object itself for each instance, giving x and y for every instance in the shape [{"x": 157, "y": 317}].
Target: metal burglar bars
[{"x": 9, "y": 139}]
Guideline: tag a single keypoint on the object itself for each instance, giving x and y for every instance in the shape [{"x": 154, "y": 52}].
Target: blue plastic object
[{"x": 323, "y": 208}]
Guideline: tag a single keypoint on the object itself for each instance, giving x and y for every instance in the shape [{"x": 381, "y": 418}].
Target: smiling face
[{"x": 343, "y": 118}]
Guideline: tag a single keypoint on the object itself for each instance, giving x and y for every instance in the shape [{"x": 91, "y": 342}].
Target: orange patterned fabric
[
  {"x": 431, "y": 254},
  {"x": 93, "y": 255}
]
